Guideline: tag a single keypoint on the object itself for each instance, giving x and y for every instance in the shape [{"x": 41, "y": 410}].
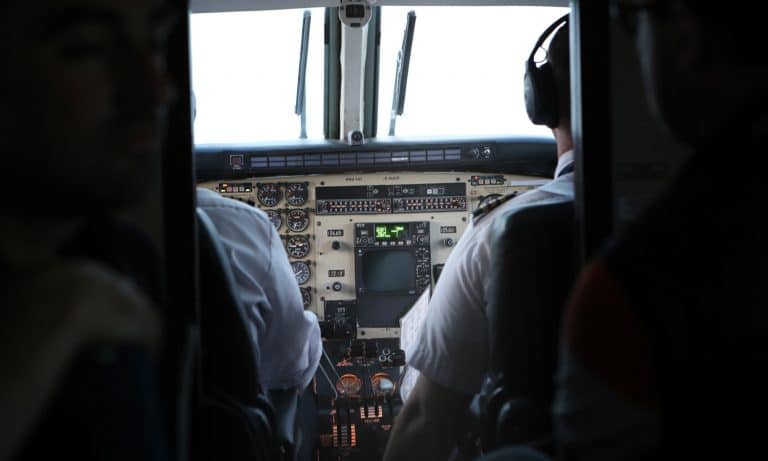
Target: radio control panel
[
  {"x": 354, "y": 206},
  {"x": 392, "y": 234}
]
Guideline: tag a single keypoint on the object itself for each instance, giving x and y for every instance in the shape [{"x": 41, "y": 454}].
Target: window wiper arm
[
  {"x": 301, "y": 87},
  {"x": 401, "y": 74}
]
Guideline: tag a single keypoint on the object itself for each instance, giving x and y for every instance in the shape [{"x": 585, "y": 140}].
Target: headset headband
[{"x": 546, "y": 34}]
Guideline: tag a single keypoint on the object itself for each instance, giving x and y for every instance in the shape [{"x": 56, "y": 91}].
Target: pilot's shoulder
[
  {"x": 220, "y": 206},
  {"x": 491, "y": 205}
]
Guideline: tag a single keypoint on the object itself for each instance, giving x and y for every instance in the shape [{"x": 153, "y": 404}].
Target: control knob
[
  {"x": 397, "y": 359},
  {"x": 336, "y": 245},
  {"x": 337, "y": 286},
  {"x": 449, "y": 242}
]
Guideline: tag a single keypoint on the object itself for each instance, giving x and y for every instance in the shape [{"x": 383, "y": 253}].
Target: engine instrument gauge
[
  {"x": 275, "y": 218},
  {"x": 298, "y": 220},
  {"x": 349, "y": 384},
  {"x": 297, "y": 193},
  {"x": 302, "y": 271},
  {"x": 269, "y": 194},
  {"x": 382, "y": 384},
  {"x": 298, "y": 246}
]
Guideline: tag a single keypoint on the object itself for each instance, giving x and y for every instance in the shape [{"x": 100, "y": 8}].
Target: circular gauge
[
  {"x": 275, "y": 218},
  {"x": 268, "y": 194},
  {"x": 306, "y": 296},
  {"x": 302, "y": 271},
  {"x": 298, "y": 220},
  {"x": 296, "y": 194},
  {"x": 382, "y": 384},
  {"x": 298, "y": 246},
  {"x": 349, "y": 384}
]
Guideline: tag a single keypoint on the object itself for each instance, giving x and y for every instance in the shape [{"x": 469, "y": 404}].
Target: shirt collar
[{"x": 565, "y": 160}]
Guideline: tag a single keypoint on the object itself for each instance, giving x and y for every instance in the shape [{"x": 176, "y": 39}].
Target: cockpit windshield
[
  {"x": 465, "y": 76},
  {"x": 244, "y": 68},
  {"x": 466, "y": 69}
]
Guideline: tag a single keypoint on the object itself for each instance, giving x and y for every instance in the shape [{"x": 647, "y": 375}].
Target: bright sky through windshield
[
  {"x": 244, "y": 73},
  {"x": 466, "y": 72},
  {"x": 466, "y": 75}
]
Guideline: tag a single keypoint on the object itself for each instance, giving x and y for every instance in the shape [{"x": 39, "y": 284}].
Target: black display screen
[
  {"x": 355, "y": 11},
  {"x": 389, "y": 271}
]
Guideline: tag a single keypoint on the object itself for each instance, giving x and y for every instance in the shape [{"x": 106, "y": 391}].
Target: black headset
[{"x": 541, "y": 99}]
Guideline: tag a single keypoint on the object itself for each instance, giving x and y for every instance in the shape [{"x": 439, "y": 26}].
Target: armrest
[{"x": 286, "y": 404}]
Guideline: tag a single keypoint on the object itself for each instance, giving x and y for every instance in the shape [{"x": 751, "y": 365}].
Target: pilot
[
  {"x": 665, "y": 334},
  {"x": 453, "y": 356},
  {"x": 288, "y": 336},
  {"x": 85, "y": 95}
]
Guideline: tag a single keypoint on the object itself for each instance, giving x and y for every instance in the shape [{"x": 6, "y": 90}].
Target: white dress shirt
[
  {"x": 454, "y": 348},
  {"x": 288, "y": 337}
]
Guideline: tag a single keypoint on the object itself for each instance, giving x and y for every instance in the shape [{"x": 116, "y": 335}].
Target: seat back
[
  {"x": 534, "y": 263},
  {"x": 230, "y": 360},
  {"x": 236, "y": 415}
]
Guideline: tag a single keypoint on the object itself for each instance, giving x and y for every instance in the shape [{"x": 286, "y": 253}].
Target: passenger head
[
  {"x": 702, "y": 61},
  {"x": 85, "y": 94}
]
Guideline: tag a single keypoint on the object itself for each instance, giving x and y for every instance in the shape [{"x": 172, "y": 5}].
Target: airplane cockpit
[
  {"x": 294, "y": 230},
  {"x": 361, "y": 230},
  {"x": 371, "y": 134}
]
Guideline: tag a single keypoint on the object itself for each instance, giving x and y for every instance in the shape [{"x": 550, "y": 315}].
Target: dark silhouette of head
[{"x": 85, "y": 95}]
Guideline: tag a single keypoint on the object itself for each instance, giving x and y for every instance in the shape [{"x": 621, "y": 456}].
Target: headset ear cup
[
  {"x": 541, "y": 95},
  {"x": 530, "y": 91}
]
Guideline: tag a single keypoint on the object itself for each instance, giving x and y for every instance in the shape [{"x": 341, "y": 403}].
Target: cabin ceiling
[{"x": 210, "y": 6}]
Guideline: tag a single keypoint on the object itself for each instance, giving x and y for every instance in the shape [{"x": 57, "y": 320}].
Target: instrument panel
[
  {"x": 367, "y": 230},
  {"x": 364, "y": 247},
  {"x": 319, "y": 219}
]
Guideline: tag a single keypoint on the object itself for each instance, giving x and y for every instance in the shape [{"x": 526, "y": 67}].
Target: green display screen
[{"x": 390, "y": 231}]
